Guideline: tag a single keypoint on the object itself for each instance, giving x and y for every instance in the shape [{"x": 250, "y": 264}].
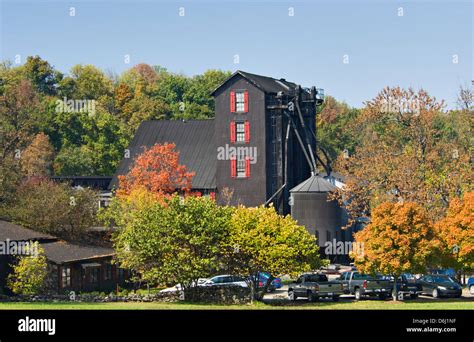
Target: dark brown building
[
  {"x": 260, "y": 144},
  {"x": 71, "y": 267}
]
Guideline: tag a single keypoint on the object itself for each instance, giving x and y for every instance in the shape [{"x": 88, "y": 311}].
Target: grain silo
[{"x": 322, "y": 218}]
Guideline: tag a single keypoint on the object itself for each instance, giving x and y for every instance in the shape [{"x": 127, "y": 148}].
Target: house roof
[
  {"x": 314, "y": 184},
  {"x": 265, "y": 83},
  {"x": 14, "y": 232},
  {"x": 61, "y": 252},
  {"x": 194, "y": 139}
]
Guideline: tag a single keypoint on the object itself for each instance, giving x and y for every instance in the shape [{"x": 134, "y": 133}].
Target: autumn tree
[
  {"x": 407, "y": 152},
  {"x": 158, "y": 170},
  {"x": 262, "y": 240},
  {"x": 37, "y": 158},
  {"x": 456, "y": 233},
  {"x": 399, "y": 239}
]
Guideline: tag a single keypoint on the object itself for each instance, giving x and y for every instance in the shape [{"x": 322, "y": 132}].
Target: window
[
  {"x": 65, "y": 276},
  {"x": 241, "y": 165},
  {"x": 240, "y": 132},
  {"x": 239, "y": 101},
  {"x": 94, "y": 275},
  {"x": 108, "y": 272},
  {"x": 328, "y": 235}
]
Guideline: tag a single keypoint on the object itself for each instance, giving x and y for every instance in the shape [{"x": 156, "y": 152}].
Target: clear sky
[{"x": 383, "y": 46}]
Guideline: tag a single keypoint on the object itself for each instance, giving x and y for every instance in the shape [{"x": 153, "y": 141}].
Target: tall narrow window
[
  {"x": 240, "y": 132},
  {"x": 65, "y": 276},
  {"x": 241, "y": 166},
  {"x": 94, "y": 275},
  {"x": 239, "y": 101},
  {"x": 108, "y": 272}
]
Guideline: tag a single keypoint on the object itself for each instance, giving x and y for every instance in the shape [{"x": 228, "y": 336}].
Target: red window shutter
[
  {"x": 247, "y": 167},
  {"x": 233, "y": 168},
  {"x": 232, "y": 101},
  {"x": 247, "y": 131},
  {"x": 246, "y": 101},
  {"x": 232, "y": 132}
]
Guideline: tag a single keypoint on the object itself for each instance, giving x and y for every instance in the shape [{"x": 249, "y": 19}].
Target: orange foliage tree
[
  {"x": 399, "y": 239},
  {"x": 157, "y": 170},
  {"x": 456, "y": 233}
]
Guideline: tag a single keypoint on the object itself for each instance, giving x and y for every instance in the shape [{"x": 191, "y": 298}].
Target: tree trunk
[{"x": 395, "y": 291}]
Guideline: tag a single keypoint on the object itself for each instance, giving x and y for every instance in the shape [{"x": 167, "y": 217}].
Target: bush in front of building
[{"x": 29, "y": 274}]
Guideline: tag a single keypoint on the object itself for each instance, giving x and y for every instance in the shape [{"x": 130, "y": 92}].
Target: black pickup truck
[
  {"x": 407, "y": 285},
  {"x": 314, "y": 286}
]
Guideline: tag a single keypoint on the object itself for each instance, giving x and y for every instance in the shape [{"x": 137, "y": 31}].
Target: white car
[{"x": 226, "y": 279}]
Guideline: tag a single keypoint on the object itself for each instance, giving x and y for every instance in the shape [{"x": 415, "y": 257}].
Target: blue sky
[{"x": 383, "y": 48}]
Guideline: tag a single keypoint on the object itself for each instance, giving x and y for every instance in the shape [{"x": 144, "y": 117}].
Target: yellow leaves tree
[
  {"x": 261, "y": 240},
  {"x": 399, "y": 239},
  {"x": 29, "y": 274},
  {"x": 456, "y": 233}
]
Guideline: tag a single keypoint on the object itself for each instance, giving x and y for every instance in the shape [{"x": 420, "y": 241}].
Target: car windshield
[{"x": 441, "y": 279}]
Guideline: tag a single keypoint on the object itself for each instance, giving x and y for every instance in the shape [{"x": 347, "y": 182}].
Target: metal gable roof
[
  {"x": 265, "y": 83},
  {"x": 314, "y": 184},
  {"x": 194, "y": 141}
]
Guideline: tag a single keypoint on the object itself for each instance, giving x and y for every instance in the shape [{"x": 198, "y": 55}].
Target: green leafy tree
[
  {"x": 29, "y": 274},
  {"x": 334, "y": 131},
  {"x": 175, "y": 241},
  {"x": 42, "y": 75},
  {"x": 262, "y": 240},
  {"x": 74, "y": 161}
]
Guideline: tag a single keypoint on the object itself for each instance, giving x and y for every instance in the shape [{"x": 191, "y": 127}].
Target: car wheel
[
  {"x": 414, "y": 296},
  {"x": 335, "y": 298},
  {"x": 358, "y": 294},
  {"x": 471, "y": 289},
  {"x": 435, "y": 293},
  {"x": 291, "y": 295},
  {"x": 312, "y": 297}
]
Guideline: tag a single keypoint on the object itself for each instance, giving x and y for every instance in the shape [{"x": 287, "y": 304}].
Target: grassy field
[{"x": 362, "y": 305}]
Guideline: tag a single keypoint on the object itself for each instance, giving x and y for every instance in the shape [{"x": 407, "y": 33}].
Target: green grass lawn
[{"x": 362, "y": 305}]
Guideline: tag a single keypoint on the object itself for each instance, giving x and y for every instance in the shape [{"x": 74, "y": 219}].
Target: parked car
[
  {"x": 314, "y": 286},
  {"x": 263, "y": 278},
  {"x": 226, "y": 279},
  {"x": 361, "y": 285},
  {"x": 407, "y": 284},
  {"x": 470, "y": 285},
  {"x": 438, "y": 285},
  {"x": 217, "y": 280}
]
